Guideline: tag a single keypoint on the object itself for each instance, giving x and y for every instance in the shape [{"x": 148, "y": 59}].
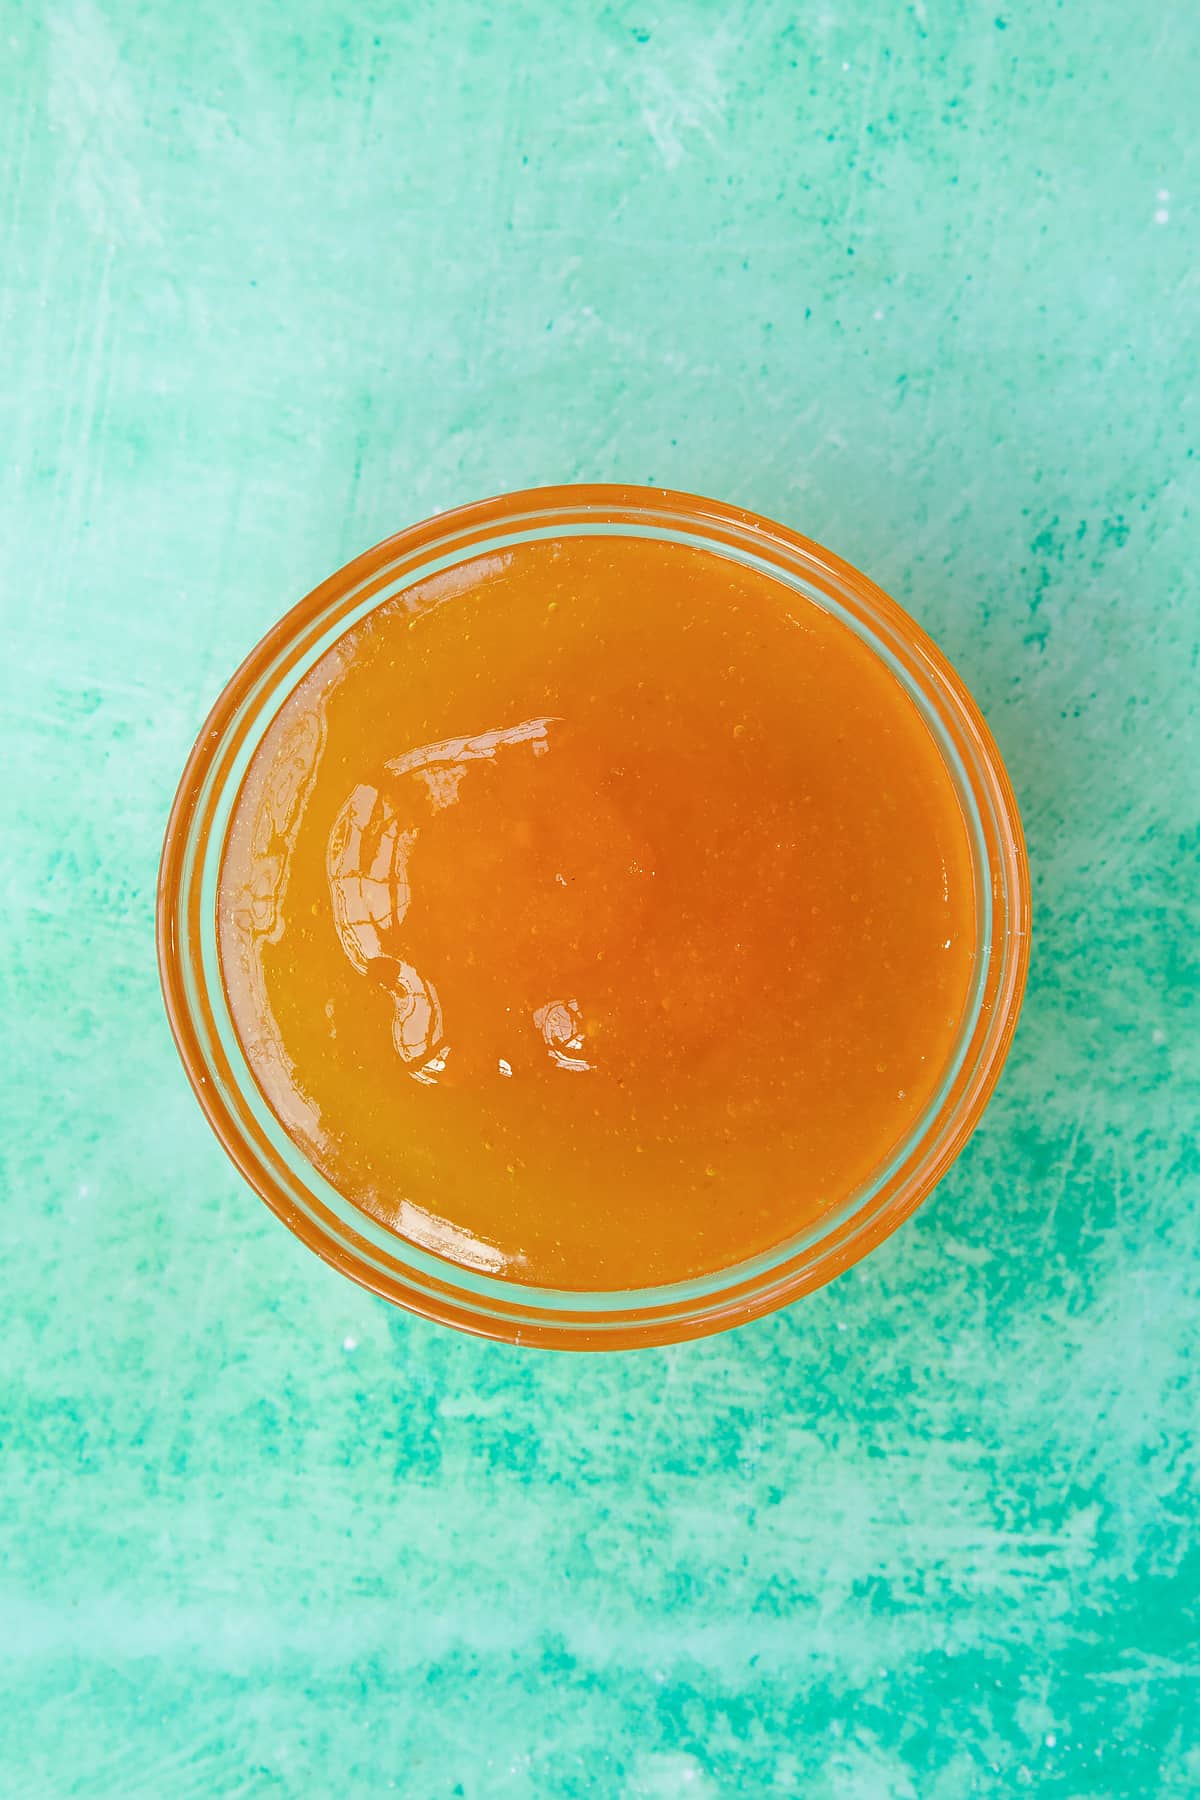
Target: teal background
[{"x": 919, "y": 280}]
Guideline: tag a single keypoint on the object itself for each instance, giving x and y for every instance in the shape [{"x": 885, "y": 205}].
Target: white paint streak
[
  {"x": 682, "y": 95},
  {"x": 94, "y": 108}
]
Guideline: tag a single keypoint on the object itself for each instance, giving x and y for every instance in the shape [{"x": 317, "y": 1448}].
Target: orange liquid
[{"x": 600, "y": 913}]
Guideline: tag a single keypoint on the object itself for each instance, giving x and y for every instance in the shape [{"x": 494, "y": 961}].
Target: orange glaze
[{"x": 599, "y": 913}]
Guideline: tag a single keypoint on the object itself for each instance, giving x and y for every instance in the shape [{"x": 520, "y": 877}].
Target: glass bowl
[{"x": 416, "y": 1278}]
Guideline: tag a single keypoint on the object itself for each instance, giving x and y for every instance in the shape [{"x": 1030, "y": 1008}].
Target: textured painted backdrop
[{"x": 277, "y": 279}]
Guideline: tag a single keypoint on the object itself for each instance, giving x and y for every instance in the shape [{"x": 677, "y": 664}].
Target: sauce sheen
[{"x": 597, "y": 914}]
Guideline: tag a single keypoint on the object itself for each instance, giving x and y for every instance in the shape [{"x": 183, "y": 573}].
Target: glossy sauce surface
[{"x": 597, "y": 914}]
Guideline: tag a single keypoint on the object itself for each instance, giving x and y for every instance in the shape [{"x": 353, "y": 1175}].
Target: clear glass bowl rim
[{"x": 236, "y": 1110}]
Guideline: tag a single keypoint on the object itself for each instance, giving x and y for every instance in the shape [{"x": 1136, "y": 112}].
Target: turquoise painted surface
[{"x": 918, "y": 280}]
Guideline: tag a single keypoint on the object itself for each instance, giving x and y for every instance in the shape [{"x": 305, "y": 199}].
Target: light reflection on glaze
[
  {"x": 443, "y": 1238},
  {"x": 368, "y": 868},
  {"x": 561, "y": 1026}
]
